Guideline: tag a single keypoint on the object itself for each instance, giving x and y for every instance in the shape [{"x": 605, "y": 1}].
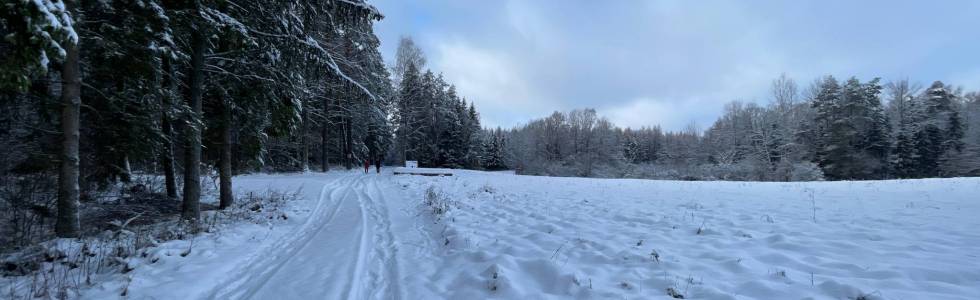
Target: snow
[
  {"x": 370, "y": 236},
  {"x": 225, "y": 258},
  {"x": 61, "y": 21},
  {"x": 334, "y": 250},
  {"x": 556, "y": 238},
  {"x": 363, "y": 5},
  {"x": 313, "y": 43}
]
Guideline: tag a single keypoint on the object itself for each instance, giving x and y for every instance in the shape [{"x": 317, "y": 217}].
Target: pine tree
[
  {"x": 453, "y": 136},
  {"x": 928, "y": 144},
  {"x": 474, "y": 138},
  {"x": 904, "y": 158},
  {"x": 67, "y": 224},
  {"x": 955, "y": 132},
  {"x": 828, "y": 128},
  {"x": 192, "y": 123},
  {"x": 450, "y": 150},
  {"x": 410, "y": 107},
  {"x": 940, "y": 131},
  {"x": 429, "y": 115},
  {"x": 494, "y": 145},
  {"x": 38, "y": 33},
  {"x": 852, "y": 141},
  {"x": 875, "y": 141},
  {"x": 124, "y": 55}
]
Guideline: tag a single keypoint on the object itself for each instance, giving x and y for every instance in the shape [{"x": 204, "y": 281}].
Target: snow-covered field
[
  {"x": 357, "y": 236},
  {"x": 521, "y": 237}
]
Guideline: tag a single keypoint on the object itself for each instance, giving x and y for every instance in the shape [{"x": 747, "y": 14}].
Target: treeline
[
  {"x": 434, "y": 125},
  {"x": 96, "y": 93},
  {"x": 832, "y": 130}
]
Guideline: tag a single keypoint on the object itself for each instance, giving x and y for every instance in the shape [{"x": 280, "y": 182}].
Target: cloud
[
  {"x": 645, "y": 112},
  {"x": 492, "y": 82},
  {"x": 671, "y": 62},
  {"x": 969, "y": 80},
  {"x": 641, "y": 113}
]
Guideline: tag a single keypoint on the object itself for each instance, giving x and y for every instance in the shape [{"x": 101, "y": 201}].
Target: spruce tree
[
  {"x": 409, "y": 113},
  {"x": 124, "y": 58},
  {"x": 494, "y": 145},
  {"x": 940, "y": 131},
  {"x": 475, "y": 150},
  {"x": 826, "y": 119},
  {"x": 875, "y": 140},
  {"x": 929, "y": 147},
  {"x": 903, "y": 157}
]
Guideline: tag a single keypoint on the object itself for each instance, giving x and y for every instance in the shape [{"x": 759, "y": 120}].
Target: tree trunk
[
  {"x": 167, "y": 154},
  {"x": 324, "y": 138},
  {"x": 167, "y": 158},
  {"x": 67, "y": 223},
  {"x": 191, "y": 206},
  {"x": 305, "y": 139},
  {"x": 348, "y": 148},
  {"x": 227, "y": 197},
  {"x": 323, "y": 149},
  {"x": 127, "y": 175}
]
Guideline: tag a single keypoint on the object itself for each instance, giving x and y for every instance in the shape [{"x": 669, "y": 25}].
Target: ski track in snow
[
  {"x": 388, "y": 252},
  {"x": 329, "y": 257}
]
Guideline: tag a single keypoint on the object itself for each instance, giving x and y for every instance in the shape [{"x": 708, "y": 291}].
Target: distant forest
[{"x": 831, "y": 130}]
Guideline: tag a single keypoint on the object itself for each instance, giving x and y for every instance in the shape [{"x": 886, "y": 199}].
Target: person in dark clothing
[
  {"x": 367, "y": 165},
  {"x": 377, "y": 166}
]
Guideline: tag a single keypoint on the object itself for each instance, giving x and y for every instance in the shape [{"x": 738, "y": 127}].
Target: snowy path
[{"x": 344, "y": 251}]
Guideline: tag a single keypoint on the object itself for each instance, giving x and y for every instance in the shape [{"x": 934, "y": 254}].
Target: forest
[
  {"x": 831, "y": 130},
  {"x": 105, "y": 99}
]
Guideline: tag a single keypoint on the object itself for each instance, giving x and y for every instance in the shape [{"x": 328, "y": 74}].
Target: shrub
[{"x": 437, "y": 202}]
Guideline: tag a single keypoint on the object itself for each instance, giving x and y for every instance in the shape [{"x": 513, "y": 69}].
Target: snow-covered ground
[
  {"x": 370, "y": 236},
  {"x": 521, "y": 237}
]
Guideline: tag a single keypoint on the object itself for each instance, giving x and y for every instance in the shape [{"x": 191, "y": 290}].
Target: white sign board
[{"x": 411, "y": 164}]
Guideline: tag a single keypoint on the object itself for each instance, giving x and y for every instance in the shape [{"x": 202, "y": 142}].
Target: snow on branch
[
  {"x": 310, "y": 41},
  {"x": 372, "y": 11}
]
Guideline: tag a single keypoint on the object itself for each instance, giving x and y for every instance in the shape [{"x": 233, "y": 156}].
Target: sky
[{"x": 674, "y": 63}]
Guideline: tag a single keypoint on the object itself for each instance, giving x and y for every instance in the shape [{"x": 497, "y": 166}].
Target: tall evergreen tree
[
  {"x": 67, "y": 224},
  {"x": 409, "y": 115},
  {"x": 826, "y": 106},
  {"x": 474, "y": 137},
  {"x": 875, "y": 140},
  {"x": 940, "y": 131}
]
